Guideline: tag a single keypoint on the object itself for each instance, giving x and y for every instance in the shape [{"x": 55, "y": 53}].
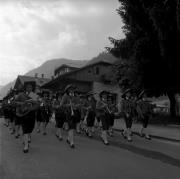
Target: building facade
[
  {"x": 94, "y": 77},
  {"x": 40, "y": 81},
  {"x": 64, "y": 69}
]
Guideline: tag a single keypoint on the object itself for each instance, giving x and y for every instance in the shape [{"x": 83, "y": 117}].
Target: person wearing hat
[
  {"x": 17, "y": 119},
  {"x": 14, "y": 121},
  {"x": 44, "y": 112},
  {"x": 11, "y": 115},
  {"x": 127, "y": 108},
  {"x": 144, "y": 109},
  {"x": 83, "y": 110},
  {"x": 60, "y": 116},
  {"x": 26, "y": 104},
  {"x": 134, "y": 99},
  {"x": 68, "y": 103},
  {"x": 77, "y": 102},
  {"x": 91, "y": 113},
  {"x": 5, "y": 111},
  {"x": 102, "y": 111},
  {"x": 111, "y": 113}
]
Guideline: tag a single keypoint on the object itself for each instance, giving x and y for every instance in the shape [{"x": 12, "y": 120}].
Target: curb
[{"x": 153, "y": 136}]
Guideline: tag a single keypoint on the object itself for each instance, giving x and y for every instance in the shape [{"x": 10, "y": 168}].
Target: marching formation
[{"x": 26, "y": 110}]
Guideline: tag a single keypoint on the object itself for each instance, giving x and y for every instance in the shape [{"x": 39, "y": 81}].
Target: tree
[{"x": 151, "y": 44}]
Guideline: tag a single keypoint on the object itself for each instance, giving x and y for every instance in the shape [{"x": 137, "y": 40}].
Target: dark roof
[
  {"x": 73, "y": 66},
  {"x": 75, "y": 71},
  {"x": 39, "y": 81},
  {"x": 84, "y": 67}
]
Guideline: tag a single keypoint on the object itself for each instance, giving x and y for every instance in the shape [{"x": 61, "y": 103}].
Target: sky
[{"x": 34, "y": 31}]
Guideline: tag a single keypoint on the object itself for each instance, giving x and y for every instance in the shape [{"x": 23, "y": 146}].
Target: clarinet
[
  {"x": 106, "y": 107},
  {"x": 72, "y": 111}
]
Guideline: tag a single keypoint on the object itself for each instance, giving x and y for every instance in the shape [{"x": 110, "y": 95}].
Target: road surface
[{"x": 49, "y": 158}]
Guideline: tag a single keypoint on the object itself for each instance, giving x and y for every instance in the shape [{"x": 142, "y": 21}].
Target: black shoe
[
  {"x": 141, "y": 135},
  {"x": 68, "y": 141},
  {"x": 44, "y": 133},
  {"x": 148, "y": 137},
  {"x": 72, "y": 146},
  {"x": 105, "y": 143},
  {"x": 90, "y": 136},
  {"x": 25, "y": 150},
  {"x": 87, "y": 133},
  {"x": 16, "y": 136},
  {"x": 122, "y": 133},
  {"x": 60, "y": 138}
]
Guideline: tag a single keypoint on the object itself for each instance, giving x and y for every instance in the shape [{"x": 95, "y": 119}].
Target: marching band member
[
  {"x": 12, "y": 112},
  {"x": 44, "y": 112},
  {"x": 91, "y": 113},
  {"x": 5, "y": 111},
  {"x": 127, "y": 108},
  {"x": 83, "y": 111},
  {"x": 26, "y": 104},
  {"x": 38, "y": 115},
  {"x": 145, "y": 110},
  {"x": 111, "y": 113},
  {"x": 11, "y": 117},
  {"x": 71, "y": 112},
  {"x": 102, "y": 110},
  {"x": 60, "y": 116},
  {"x": 133, "y": 98},
  {"x": 77, "y": 103},
  {"x": 17, "y": 119}
]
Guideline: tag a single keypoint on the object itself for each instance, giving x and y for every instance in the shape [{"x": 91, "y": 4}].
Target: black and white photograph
[{"x": 89, "y": 89}]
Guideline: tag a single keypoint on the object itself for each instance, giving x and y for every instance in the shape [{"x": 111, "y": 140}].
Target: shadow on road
[{"x": 144, "y": 152}]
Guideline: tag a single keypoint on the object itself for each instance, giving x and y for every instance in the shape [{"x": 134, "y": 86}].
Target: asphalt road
[{"x": 91, "y": 159}]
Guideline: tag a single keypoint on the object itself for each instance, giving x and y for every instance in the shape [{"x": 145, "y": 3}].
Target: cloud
[{"x": 33, "y": 31}]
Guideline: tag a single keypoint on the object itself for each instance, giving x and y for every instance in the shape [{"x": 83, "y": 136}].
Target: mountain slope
[
  {"x": 106, "y": 57},
  {"x": 47, "y": 69},
  {"x": 49, "y": 66}
]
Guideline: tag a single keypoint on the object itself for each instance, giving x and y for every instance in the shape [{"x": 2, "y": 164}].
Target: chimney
[
  {"x": 36, "y": 75},
  {"x": 42, "y": 75}
]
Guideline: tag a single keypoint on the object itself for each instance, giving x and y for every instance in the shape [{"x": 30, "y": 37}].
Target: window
[
  {"x": 97, "y": 70},
  {"x": 66, "y": 70}
]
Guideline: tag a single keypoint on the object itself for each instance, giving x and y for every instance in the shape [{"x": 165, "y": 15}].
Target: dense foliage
[{"x": 151, "y": 48}]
